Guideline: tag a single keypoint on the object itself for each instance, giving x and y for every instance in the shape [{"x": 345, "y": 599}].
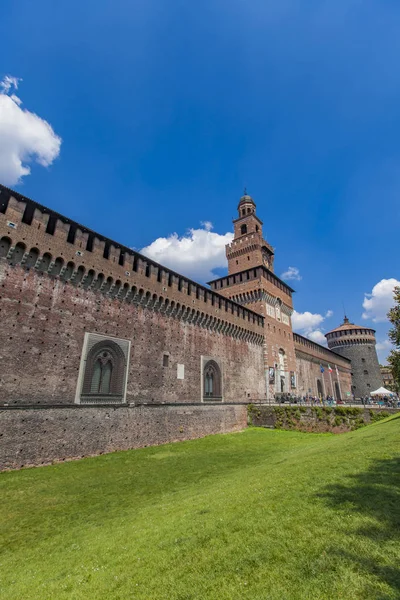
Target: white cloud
[
  {"x": 309, "y": 325},
  {"x": 383, "y": 348},
  {"x": 9, "y": 83},
  {"x": 24, "y": 136},
  {"x": 377, "y": 304},
  {"x": 195, "y": 254},
  {"x": 317, "y": 336},
  {"x": 385, "y": 345},
  {"x": 306, "y": 321},
  {"x": 292, "y": 273}
]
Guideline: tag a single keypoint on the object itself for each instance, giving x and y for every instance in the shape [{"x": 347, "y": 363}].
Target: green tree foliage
[{"x": 394, "y": 336}]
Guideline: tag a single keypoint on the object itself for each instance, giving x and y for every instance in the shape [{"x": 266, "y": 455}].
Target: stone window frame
[
  {"x": 211, "y": 362},
  {"x": 118, "y": 353}
]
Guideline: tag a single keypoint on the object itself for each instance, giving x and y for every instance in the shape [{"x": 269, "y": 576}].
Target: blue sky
[{"x": 166, "y": 110}]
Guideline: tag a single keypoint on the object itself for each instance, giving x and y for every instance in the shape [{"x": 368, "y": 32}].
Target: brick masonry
[
  {"x": 39, "y": 436},
  {"x": 43, "y": 322},
  {"x": 309, "y": 358}
]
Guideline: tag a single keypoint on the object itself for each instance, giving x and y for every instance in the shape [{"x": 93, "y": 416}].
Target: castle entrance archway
[{"x": 320, "y": 390}]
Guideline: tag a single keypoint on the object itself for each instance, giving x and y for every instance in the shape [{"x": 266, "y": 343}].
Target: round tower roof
[{"x": 346, "y": 325}]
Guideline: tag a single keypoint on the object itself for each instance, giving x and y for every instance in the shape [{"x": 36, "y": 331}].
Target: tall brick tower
[{"x": 251, "y": 281}]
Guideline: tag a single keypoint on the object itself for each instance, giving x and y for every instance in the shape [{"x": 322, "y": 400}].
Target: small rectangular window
[
  {"x": 89, "y": 243},
  {"x": 166, "y": 360},
  {"x": 51, "y": 225},
  {"x": 71, "y": 234},
  {"x": 4, "y": 204},
  {"x": 106, "y": 252},
  {"x": 28, "y": 214}
]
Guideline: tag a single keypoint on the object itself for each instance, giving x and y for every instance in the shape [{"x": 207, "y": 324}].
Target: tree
[{"x": 394, "y": 336}]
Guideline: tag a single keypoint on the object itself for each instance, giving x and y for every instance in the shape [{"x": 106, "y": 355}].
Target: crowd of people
[{"x": 309, "y": 400}]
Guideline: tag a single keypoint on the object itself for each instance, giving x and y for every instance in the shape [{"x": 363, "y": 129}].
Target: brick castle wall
[
  {"x": 309, "y": 358},
  {"x": 43, "y": 323}
]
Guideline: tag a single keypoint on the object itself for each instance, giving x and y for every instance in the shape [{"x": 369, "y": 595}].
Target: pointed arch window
[
  {"x": 102, "y": 374},
  {"x": 105, "y": 373},
  {"x": 212, "y": 381}
]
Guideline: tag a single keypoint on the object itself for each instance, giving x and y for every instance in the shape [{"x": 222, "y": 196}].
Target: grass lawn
[{"x": 260, "y": 515}]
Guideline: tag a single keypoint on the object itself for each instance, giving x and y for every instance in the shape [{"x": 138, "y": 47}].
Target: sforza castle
[{"x": 103, "y": 349}]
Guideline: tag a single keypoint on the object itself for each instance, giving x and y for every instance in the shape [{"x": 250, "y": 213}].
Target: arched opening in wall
[
  {"x": 99, "y": 281},
  {"x": 108, "y": 284},
  {"x": 147, "y": 299},
  {"x": 89, "y": 279},
  {"x": 104, "y": 375},
  {"x": 78, "y": 275},
  {"x": 337, "y": 391},
  {"x": 32, "y": 258},
  {"x": 320, "y": 391},
  {"x": 5, "y": 245},
  {"x": 132, "y": 293},
  {"x": 243, "y": 229},
  {"x": 123, "y": 293},
  {"x": 212, "y": 381},
  {"x": 18, "y": 253},
  {"x": 282, "y": 364},
  {"x": 116, "y": 288},
  {"x": 68, "y": 271},
  {"x": 58, "y": 265},
  {"x": 45, "y": 264}
]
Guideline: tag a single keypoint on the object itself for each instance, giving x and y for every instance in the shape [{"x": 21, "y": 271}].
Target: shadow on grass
[{"x": 374, "y": 494}]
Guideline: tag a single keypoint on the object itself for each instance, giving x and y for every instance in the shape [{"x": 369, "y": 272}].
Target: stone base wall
[
  {"x": 318, "y": 419},
  {"x": 37, "y": 436}
]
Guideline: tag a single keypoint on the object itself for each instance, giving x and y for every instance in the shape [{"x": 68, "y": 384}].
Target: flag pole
[
  {"x": 330, "y": 375},
  {"x": 338, "y": 379}
]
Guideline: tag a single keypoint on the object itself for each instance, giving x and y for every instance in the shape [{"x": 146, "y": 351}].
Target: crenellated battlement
[
  {"x": 318, "y": 353},
  {"x": 36, "y": 237}
]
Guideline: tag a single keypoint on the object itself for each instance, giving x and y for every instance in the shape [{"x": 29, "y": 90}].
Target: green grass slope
[{"x": 259, "y": 515}]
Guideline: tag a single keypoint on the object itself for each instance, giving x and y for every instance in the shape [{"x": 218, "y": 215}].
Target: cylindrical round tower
[{"x": 359, "y": 345}]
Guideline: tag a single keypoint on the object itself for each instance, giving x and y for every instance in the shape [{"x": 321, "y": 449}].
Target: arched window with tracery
[
  {"x": 212, "y": 381},
  {"x": 104, "y": 374},
  {"x": 101, "y": 376}
]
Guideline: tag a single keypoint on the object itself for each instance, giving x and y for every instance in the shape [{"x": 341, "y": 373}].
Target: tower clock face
[{"x": 265, "y": 259}]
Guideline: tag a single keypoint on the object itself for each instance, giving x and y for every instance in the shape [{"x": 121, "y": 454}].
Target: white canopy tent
[{"x": 382, "y": 392}]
